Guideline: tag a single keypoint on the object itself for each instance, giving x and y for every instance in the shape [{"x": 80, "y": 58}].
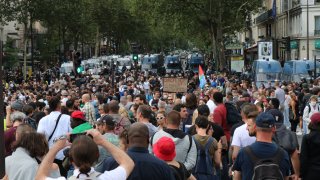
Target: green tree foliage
[{"x": 10, "y": 58}]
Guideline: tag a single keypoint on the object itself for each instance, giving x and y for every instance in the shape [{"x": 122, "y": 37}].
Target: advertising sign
[{"x": 265, "y": 50}]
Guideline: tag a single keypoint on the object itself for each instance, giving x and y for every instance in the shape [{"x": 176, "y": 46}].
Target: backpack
[
  {"x": 93, "y": 176},
  {"x": 267, "y": 168},
  {"x": 233, "y": 115},
  {"x": 204, "y": 168},
  {"x": 310, "y": 108}
]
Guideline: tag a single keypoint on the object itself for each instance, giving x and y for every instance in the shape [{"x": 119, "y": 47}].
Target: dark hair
[
  {"x": 178, "y": 107},
  {"x": 70, "y": 103},
  {"x": 275, "y": 102},
  {"x": 202, "y": 122},
  {"x": 106, "y": 108},
  {"x": 40, "y": 105},
  {"x": 145, "y": 111},
  {"x": 174, "y": 118},
  {"x": 218, "y": 97},
  {"x": 35, "y": 143},
  {"x": 314, "y": 127},
  {"x": 84, "y": 153},
  {"x": 54, "y": 103},
  {"x": 191, "y": 101},
  {"x": 114, "y": 107},
  {"x": 203, "y": 110},
  {"x": 27, "y": 109},
  {"x": 141, "y": 97},
  {"x": 38, "y": 116}
]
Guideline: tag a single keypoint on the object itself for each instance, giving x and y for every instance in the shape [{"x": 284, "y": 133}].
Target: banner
[
  {"x": 265, "y": 50},
  {"x": 175, "y": 85}
]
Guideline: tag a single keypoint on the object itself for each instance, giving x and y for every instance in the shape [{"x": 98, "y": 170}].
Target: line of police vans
[{"x": 267, "y": 71}]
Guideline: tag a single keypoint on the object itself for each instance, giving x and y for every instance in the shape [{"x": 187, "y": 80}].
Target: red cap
[
  {"x": 78, "y": 115},
  {"x": 165, "y": 149},
  {"x": 315, "y": 118}
]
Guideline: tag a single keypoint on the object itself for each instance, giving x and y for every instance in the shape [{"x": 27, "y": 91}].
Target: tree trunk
[
  {"x": 25, "y": 43},
  {"x": 97, "y": 43}
]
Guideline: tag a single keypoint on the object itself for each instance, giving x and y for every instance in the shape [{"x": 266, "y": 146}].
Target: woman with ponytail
[{"x": 83, "y": 154}]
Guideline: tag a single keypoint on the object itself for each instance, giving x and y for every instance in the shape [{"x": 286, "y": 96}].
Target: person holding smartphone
[{"x": 84, "y": 153}]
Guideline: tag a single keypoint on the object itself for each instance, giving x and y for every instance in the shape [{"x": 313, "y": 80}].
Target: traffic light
[
  {"x": 80, "y": 69},
  {"x": 135, "y": 57},
  {"x": 287, "y": 43}
]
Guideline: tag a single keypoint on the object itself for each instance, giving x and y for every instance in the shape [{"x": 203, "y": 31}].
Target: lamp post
[
  {"x": 308, "y": 29},
  {"x": 2, "y": 148}
]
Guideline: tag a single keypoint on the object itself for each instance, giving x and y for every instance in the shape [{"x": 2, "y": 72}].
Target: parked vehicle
[
  {"x": 266, "y": 71},
  {"x": 195, "y": 60},
  {"x": 296, "y": 70},
  {"x": 173, "y": 64},
  {"x": 121, "y": 62},
  {"x": 66, "y": 68},
  {"x": 152, "y": 63}
]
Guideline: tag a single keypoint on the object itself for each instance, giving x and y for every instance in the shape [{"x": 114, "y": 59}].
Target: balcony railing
[{"x": 264, "y": 16}]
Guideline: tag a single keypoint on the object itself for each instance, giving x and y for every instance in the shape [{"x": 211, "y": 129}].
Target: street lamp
[{"x": 2, "y": 148}]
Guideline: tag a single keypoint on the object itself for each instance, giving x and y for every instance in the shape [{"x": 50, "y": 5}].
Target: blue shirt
[
  {"x": 147, "y": 167},
  {"x": 261, "y": 150}
]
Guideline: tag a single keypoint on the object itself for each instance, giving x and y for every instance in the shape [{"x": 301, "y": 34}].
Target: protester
[
  {"x": 185, "y": 146},
  {"x": 88, "y": 109},
  {"x": 84, "y": 153},
  {"x": 310, "y": 147}
]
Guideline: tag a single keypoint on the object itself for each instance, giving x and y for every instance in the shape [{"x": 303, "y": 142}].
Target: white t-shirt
[
  {"x": 212, "y": 106},
  {"x": 146, "y": 85},
  {"x": 117, "y": 174},
  {"x": 241, "y": 137}
]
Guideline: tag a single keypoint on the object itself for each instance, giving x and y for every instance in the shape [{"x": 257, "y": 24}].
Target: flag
[
  {"x": 274, "y": 9},
  {"x": 202, "y": 79}
]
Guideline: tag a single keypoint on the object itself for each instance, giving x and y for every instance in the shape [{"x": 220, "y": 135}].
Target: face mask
[{"x": 312, "y": 103}]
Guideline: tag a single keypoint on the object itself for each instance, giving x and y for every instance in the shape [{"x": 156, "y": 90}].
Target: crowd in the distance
[{"x": 87, "y": 129}]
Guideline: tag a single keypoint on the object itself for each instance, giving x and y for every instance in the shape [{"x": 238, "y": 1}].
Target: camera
[{"x": 74, "y": 136}]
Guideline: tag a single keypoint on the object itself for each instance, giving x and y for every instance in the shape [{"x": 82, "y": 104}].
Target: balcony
[
  {"x": 316, "y": 32},
  {"x": 264, "y": 17}
]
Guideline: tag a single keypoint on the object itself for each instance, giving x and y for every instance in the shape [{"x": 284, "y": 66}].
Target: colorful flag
[{"x": 202, "y": 79}]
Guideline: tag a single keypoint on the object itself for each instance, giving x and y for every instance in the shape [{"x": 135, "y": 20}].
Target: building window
[{"x": 317, "y": 25}]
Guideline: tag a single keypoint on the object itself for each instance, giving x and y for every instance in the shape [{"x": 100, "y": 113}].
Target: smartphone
[{"x": 74, "y": 136}]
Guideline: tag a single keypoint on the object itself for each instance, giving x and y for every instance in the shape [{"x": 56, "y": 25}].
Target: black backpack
[
  {"x": 268, "y": 168},
  {"x": 233, "y": 115}
]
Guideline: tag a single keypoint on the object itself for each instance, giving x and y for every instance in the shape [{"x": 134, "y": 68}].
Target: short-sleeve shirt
[
  {"x": 241, "y": 137},
  {"x": 261, "y": 150}
]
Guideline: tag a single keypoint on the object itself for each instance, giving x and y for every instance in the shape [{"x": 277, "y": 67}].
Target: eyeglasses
[
  {"x": 160, "y": 118},
  {"x": 170, "y": 99}
]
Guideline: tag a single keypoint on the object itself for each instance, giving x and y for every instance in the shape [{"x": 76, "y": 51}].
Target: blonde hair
[{"x": 123, "y": 112}]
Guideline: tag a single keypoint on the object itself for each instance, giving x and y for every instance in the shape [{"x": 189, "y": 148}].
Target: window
[{"x": 317, "y": 25}]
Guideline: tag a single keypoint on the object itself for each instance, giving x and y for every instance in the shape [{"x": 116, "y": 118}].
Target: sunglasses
[{"x": 160, "y": 118}]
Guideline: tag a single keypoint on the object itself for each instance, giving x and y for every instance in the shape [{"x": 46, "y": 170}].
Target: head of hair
[
  {"x": 145, "y": 111},
  {"x": 162, "y": 104},
  {"x": 314, "y": 126},
  {"x": 35, "y": 143},
  {"x": 54, "y": 103},
  {"x": 163, "y": 113},
  {"x": 70, "y": 103},
  {"x": 314, "y": 97},
  {"x": 275, "y": 102},
  {"x": 191, "y": 101},
  {"x": 141, "y": 97},
  {"x": 84, "y": 153},
  {"x": 28, "y": 109},
  {"x": 203, "y": 110},
  {"x": 17, "y": 116},
  {"x": 174, "y": 118},
  {"x": 114, "y": 107},
  {"x": 253, "y": 115},
  {"x": 248, "y": 108},
  {"x": 105, "y": 108},
  {"x": 23, "y": 129},
  {"x": 202, "y": 122},
  {"x": 178, "y": 107},
  {"x": 218, "y": 97}
]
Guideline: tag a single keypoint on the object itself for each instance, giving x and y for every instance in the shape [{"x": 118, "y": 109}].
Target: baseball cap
[
  {"x": 165, "y": 149},
  {"x": 107, "y": 120},
  {"x": 78, "y": 115},
  {"x": 265, "y": 120},
  {"x": 315, "y": 118}
]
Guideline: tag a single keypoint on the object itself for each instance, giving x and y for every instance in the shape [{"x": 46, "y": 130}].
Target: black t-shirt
[
  {"x": 217, "y": 131},
  {"x": 180, "y": 173}
]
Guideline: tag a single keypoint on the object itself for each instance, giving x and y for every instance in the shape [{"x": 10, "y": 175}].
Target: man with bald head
[
  {"x": 88, "y": 109},
  {"x": 146, "y": 165}
]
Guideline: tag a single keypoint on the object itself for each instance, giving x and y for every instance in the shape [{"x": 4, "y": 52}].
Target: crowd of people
[{"x": 91, "y": 128}]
